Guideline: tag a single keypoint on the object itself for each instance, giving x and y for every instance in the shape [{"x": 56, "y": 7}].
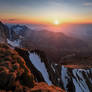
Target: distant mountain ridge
[
  {"x": 40, "y": 47},
  {"x": 54, "y": 44}
]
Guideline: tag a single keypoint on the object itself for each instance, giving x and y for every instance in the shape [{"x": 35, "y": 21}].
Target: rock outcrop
[
  {"x": 73, "y": 79},
  {"x": 15, "y": 76},
  {"x": 3, "y": 32},
  {"x": 53, "y": 74}
]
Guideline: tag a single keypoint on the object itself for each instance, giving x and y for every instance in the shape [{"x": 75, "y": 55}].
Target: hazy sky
[{"x": 46, "y": 11}]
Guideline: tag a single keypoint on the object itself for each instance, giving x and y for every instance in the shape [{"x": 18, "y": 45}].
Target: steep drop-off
[{"x": 15, "y": 76}]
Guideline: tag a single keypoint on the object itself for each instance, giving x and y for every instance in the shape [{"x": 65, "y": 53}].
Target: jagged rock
[
  {"x": 73, "y": 80},
  {"x": 3, "y": 29},
  {"x": 17, "y": 32},
  {"x": 54, "y": 76},
  {"x": 15, "y": 76},
  {"x": 24, "y": 53}
]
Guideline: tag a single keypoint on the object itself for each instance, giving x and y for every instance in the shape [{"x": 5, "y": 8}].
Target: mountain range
[{"x": 52, "y": 57}]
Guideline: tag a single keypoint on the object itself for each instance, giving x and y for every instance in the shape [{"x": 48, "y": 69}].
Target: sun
[{"x": 56, "y": 22}]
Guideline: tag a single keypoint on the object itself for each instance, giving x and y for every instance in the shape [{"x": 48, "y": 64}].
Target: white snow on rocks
[
  {"x": 64, "y": 76},
  {"x": 77, "y": 78},
  {"x": 15, "y": 43},
  {"x": 53, "y": 68},
  {"x": 79, "y": 81},
  {"x": 40, "y": 66}
]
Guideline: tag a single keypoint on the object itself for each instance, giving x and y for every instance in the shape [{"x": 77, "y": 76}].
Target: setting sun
[{"x": 56, "y": 22}]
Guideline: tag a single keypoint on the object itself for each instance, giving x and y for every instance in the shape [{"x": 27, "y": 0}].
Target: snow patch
[
  {"x": 64, "y": 76},
  {"x": 52, "y": 67},
  {"x": 56, "y": 64},
  {"x": 40, "y": 66},
  {"x": 77, "y": 77},
  {"x": 79, "y": 81},
  {"x": 18, "y": 29},
  {"x": 15, "y": 43}
]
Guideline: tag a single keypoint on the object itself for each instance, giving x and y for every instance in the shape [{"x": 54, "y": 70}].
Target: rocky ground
[{"x": 15, "y": 75}]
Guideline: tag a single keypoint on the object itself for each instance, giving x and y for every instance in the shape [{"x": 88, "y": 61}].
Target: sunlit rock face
[{"x": 15, "y": 76}]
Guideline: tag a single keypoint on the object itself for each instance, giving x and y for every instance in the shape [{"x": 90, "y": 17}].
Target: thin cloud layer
[{"x": 87, "y": 4}]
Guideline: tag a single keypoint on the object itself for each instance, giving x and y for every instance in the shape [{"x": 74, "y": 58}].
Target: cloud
[
  {"x": 12, "y": 19},
  {"x": 3, "y": 19},
  {"x": 87, "y": 4}
]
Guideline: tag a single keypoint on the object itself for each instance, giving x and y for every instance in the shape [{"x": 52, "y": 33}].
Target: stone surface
[{"x": 15, "y": 76}]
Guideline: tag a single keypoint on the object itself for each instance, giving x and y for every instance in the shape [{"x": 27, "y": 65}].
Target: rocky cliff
[
  {"x": 3, "y": 32},
  {"x": 74, "y": 79},
  {"x": 15, "y": 76}
]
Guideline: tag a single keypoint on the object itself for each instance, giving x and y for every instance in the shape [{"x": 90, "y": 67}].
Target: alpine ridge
[{"x": 33, "y": 67}]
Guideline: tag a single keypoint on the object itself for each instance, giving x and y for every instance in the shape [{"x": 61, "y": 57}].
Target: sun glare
[{"x": 56, "y": 22}]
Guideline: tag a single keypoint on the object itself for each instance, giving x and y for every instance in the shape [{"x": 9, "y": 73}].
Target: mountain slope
[
  {"x": 40, "y": 66},
  {"x": 54, "y": 44},
  {"x": 73, "y": 80},
  {"x": 3, "y": 32},
  {"x": 15, "y": 76},
  {"x": 38, "y": 63}
]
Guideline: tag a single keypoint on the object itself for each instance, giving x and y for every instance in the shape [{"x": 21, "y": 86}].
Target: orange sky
[
  {"x": 49, "y": 21},
  {"x": 46, "y": 11}
]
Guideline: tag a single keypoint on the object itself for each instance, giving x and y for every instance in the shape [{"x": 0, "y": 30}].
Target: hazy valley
[
  {"x": 59, "y": 47},
  {"x": 52, "y": 57}
]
